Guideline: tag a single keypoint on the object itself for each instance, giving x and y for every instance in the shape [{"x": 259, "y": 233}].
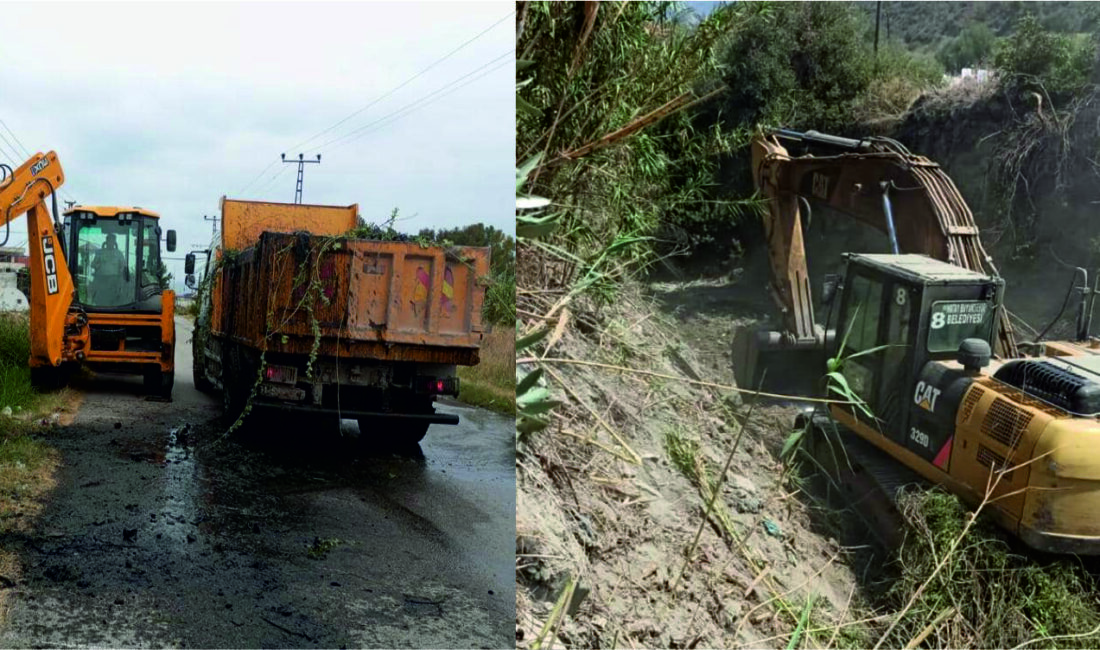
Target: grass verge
[
  {"x": 27, "y": 463},
  {"x": 492, "y": 383}
]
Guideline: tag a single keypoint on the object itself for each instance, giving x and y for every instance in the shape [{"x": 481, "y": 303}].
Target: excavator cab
[{"x": 898, "y": 313}]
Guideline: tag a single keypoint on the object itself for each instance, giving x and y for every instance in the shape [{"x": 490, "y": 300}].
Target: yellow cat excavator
[
  {"x": 95, "y": 295},
  {"x": 916, "y": 329}
]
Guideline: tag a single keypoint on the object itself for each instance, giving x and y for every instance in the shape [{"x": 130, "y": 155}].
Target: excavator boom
[{"x": 875, "y": 181}]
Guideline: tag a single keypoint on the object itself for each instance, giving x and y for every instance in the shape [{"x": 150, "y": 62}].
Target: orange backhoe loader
[{"x": 95, "y": 296}]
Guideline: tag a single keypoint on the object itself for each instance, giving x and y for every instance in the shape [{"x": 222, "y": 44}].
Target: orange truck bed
[{"x": 397, "y": 301}]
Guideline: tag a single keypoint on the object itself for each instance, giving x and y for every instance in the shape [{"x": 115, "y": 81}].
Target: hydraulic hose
[{"x": 1065, "y": 303}]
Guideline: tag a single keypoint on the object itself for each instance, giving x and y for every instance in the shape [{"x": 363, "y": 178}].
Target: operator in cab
[{"x": 109, "y": 267}]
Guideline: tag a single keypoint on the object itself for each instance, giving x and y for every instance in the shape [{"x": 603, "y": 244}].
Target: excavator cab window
[
  {"x": 861, "y": 326},
  {"x": 879, "y": 322}
]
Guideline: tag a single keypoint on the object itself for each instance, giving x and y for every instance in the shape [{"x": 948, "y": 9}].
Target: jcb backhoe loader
[
  {"x": 95, "y": 297},
  {"x": 931, "y": 401}
]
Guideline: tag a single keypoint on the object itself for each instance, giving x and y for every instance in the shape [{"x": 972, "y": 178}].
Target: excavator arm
[
  {"x": 875, "y": 181},
  {"x": 24, "y": 191}
]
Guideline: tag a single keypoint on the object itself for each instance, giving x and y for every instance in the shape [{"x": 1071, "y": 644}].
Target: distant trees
[
  {"x": 797, "y": 64},
  {"x": 811, "y": 65},
  {"x": 971, "y": 48}
]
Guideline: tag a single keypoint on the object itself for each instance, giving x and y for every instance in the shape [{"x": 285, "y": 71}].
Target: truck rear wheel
[{"x": 202, "y": 384}]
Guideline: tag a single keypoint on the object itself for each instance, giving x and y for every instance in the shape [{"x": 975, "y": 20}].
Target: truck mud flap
[{"x": 433, "y": 418}]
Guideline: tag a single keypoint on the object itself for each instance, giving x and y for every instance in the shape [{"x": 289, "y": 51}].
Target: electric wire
[
  {"x": 441, "y": 89},
  {"x": 400, "y": 113},
  {"x": 11, "y": 158},
  {"x": 406, "y": 82},
  {"x": 25, "y": 155},
  {"x": 381, "y": 97},
  {"x": 422, "y": 105},
  {"x": 26, "y": 152}
]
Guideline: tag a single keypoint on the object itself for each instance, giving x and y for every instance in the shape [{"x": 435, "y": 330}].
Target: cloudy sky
[{"x": 171, "y": 106}]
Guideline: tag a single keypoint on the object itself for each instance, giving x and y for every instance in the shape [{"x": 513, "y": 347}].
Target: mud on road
[{"x": 162, "y": 532}]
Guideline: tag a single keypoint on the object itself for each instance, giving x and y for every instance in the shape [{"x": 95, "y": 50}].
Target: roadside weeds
[
  {"x": 492, "y": 383},
  {"x": 28, "y": 464}
]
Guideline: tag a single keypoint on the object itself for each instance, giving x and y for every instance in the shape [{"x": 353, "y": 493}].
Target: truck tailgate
[{"x": 363, "y": 291}]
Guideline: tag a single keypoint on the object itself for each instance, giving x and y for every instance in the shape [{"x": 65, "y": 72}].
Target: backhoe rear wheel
[
  {"x": 49, "y": 378},
  {"x": 159, "y": 383}
]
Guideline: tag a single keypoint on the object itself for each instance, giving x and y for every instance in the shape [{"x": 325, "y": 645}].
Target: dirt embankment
[
  {"x": 1025, "y": 163},
  {"x": 614, "y": 494}
]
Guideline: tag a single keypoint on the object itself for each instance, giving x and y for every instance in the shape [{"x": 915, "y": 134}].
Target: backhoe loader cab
[
  {"x": 115, "y": 257},
  {"x": 113, "y": 254}
]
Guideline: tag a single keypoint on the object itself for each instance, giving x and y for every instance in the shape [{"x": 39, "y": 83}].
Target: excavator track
[{"x": 869, "y": 480}]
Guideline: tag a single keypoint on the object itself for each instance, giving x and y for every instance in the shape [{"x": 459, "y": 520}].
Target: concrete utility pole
[
  {"x": 214, "y": 219},
  {"x": 301, "y": 165},
  {"x": 878, "y": 19}
]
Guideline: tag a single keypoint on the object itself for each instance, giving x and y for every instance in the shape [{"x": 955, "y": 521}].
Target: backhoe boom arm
[{"x": 24, "y": 191}]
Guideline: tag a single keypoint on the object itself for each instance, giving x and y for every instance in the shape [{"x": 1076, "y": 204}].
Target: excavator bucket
[{"x": 763, "y": 360}]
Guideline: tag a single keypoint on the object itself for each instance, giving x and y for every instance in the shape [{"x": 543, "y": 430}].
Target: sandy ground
[{"x": 162, "y": 532}]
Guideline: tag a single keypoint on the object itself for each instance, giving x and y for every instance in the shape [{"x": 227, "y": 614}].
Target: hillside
[{"x": 927, "y": 24}]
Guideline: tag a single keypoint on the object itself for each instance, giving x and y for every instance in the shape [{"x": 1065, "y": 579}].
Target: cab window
[{"x": 861, "y": 329}]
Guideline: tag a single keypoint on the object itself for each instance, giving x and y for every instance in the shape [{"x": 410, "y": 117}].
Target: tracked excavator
[
  {"x": 914, "y": 332},
  {"x": 95, "y": 296}
]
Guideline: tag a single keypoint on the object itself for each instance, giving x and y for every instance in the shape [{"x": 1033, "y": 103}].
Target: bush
[
  {"x": 1001, "y": 598},
  {"x": 900, "y": 78},
  {"x": 1034, "y": 58},
  {"x": 801, "y": 64},
  {"x": 810, "y": 65},
  {"x": 15, "y": 374},
  {"x": 500, "y": 298},
  {"x": 972, "y": 47}
]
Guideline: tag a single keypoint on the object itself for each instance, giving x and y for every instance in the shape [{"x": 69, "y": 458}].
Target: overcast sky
[{"x": 171, "y": 106}]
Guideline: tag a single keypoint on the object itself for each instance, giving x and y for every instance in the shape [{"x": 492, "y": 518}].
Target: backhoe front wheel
[{"x": 159, "y": 383}]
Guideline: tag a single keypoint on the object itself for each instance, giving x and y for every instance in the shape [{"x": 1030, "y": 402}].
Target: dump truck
[{"x": 297, "y": 314}]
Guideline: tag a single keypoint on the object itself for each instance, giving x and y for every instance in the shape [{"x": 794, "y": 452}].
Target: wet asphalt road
[{"x": 163, "y": 532}]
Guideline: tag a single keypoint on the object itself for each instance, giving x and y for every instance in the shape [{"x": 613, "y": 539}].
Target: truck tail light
[
  {"x": 437, "y": 385},
  {"x": 281, "y": 374}
]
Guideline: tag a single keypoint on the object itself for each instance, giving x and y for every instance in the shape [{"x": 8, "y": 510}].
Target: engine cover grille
[{"x": 1059, "y": 386}]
